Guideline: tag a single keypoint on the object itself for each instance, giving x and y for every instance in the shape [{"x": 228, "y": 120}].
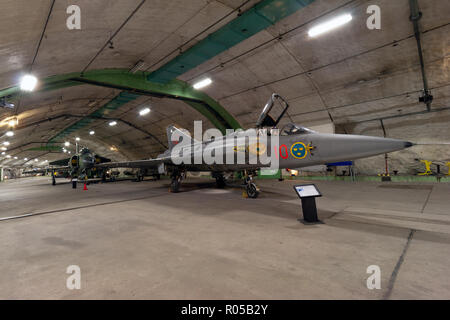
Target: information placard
[{"x": 307, "y": 191}]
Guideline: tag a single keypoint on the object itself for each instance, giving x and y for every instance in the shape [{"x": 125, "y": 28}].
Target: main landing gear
[
  {"x": 250, "y": 186},
  {"x": 220, "y": 180},
  {"x": 177, "y": 177}
]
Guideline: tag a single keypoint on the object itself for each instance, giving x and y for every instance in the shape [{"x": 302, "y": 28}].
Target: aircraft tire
[
  {"x": 220, "y": 182},
  {"x": 252, "y": 190},
  {"x": 175, "y": 186}
]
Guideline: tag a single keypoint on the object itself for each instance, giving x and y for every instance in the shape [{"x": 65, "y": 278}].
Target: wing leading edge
[{"x": 140, "y": 164}]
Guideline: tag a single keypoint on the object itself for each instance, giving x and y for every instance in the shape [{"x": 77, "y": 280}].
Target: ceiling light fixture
[
  {"x": 92, "y": 132},
  {"x": 77, "y": 139},
  {"x": 145, "y": 111},
  {"x": 112, "y": 123},
  {"x": 203, "y": 83},
  {"x": 330, "y": 25},
  {"x": 10, "y": 133},
  {"x": 25, "y": 159},
  {"x": 8, "y": 156},
  {"x": 28, "y": 82},
  {"x": 13, "y": 122},
  {"x": 6, "y": 143}
]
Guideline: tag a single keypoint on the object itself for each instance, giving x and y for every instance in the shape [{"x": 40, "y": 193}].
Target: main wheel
[
  {"x": 220, "y": 182},
  {"x": 175, "y": 185},
  {"x": 252, "y": 190}
]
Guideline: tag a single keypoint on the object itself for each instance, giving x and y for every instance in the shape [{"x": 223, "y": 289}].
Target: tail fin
[{"x": 176, "y": 135}]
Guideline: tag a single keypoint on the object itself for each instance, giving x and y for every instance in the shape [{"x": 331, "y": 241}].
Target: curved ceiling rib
[
  {"x": 133, "y": 85},
  {"x": 261, "y": 16}
]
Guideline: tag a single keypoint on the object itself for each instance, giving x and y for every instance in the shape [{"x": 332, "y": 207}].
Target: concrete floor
[{"x": 136, "y": 240}]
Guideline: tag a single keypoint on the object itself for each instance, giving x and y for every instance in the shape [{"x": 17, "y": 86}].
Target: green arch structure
[{"x": 133, "y": 85}]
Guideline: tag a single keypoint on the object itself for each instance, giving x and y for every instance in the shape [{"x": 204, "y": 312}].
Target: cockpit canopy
[
  {"x": 85, "y": 151},
  {"x": 292, "y": 128}
]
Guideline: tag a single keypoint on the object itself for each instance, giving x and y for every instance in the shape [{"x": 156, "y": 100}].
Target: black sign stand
[
  {"x": 309, "y": 206},
  {"x": 309, "y": 211}
]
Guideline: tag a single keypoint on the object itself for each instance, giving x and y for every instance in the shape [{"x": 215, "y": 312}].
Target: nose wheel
[{"x": 251, "y": 188}]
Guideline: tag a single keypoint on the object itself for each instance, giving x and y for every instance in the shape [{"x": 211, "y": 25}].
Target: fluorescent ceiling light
[
  {"x": 77, "y": 139},
  {"x": 112, "y": 123},
  {"x": 26, "y": 159},
  {"x": 145, "y": 111},
  {"x": 15, "y": 158},
  {"x": 6, "y": 143},
  {"x": 36, "y": 160},
  {"x": 92, "y": 132},
  {"x": 28, "y": 82},
  {"x": 4, "y": 148},
  {"x": 330, "y": 25},
  {"x": 67, "y": 143},
  {"x": 13, "y": 122},
  {"x": 203, "y": 83},
  {"x": 3, "y": 153},
  {"x": 10, "y": 133},
  {"x": 8, "y": 156}
]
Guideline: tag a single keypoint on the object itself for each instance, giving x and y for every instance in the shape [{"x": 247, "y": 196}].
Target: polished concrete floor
[{"x": 138, "y": 241}]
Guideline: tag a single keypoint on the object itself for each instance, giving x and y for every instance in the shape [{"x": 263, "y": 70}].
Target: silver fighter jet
[{"x": 296, "y": 147}]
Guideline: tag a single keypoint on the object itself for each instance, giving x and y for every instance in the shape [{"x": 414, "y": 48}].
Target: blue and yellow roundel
[{"x": 299, "y": 150}]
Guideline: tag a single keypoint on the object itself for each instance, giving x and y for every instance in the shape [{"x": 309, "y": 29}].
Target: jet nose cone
[{"x": 408, "y": 144}]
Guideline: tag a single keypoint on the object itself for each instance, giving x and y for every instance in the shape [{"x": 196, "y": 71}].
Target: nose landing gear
[{"x": 251, "y": 188}]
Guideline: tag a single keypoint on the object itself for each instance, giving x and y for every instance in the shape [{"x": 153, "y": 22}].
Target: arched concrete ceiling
[{"x": 352, "y": 77}]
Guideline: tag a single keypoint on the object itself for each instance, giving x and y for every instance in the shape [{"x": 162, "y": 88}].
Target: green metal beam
[
  {"x": 133, "y": 85},
  {"x": 261, "y": 16},
  {"x": 115, "y": 103}
]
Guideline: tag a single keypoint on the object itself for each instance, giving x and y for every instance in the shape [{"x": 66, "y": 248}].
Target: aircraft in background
[
  {"x": 298, "y": 147},
  {"x": 81, "y": 166}
]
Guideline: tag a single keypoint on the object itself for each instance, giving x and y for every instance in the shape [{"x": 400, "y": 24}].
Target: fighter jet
[
  {"x": 81, "y": 166},
  {"x": 296, "y": 147}
]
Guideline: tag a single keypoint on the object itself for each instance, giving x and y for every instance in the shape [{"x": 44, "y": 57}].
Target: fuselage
[{"x": 290, "y": 151}]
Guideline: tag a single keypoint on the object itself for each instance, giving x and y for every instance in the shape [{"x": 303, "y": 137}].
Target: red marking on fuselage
[{"x": 286, "y": 149}]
